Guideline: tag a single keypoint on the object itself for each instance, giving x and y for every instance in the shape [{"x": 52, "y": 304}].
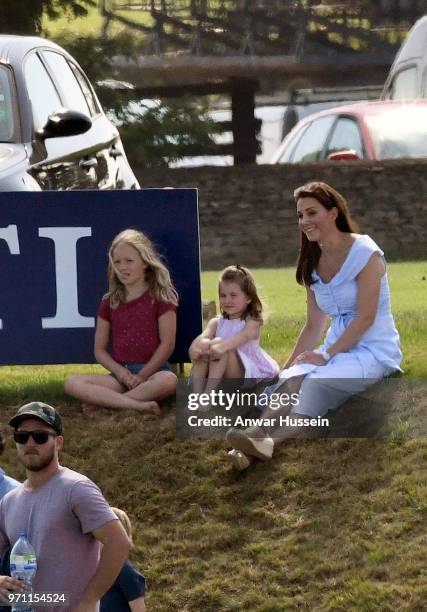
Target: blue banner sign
[{"x": 54, "y": 257}]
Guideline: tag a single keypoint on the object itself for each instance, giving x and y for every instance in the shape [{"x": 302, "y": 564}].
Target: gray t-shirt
[{"x": 58, "y": 519}]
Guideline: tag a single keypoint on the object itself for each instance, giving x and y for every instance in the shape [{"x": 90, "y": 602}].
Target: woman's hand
[{"x": 309, "y": 357}]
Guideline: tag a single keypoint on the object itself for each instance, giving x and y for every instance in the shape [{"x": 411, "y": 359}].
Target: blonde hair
[
  {"x": 125, "y": 521},
  {"x": 157, "y": 275},
  {"x": 242, "y": 277}
]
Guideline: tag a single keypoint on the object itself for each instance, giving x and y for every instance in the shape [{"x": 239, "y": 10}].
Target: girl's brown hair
[
  {"x": 157, "y": 275},
  {"x": 242, "y": 277},
  {"x": 309, "y": 253}
]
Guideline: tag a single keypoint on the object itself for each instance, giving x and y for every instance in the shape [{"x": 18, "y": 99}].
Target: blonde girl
[
  {"x": 137, "y": 319},
  {"x": 127, "y": 592},
  {"x": 229, "y": 346}
]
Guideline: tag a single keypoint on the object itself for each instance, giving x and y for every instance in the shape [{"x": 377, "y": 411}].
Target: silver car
[{"x": 53, "y": 131}]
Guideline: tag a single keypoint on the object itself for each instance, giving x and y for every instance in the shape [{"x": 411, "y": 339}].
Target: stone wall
[{"x": 247, "y": 213}]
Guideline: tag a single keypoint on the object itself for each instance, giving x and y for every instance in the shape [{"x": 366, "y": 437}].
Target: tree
[{"x": 25, "y": 16}]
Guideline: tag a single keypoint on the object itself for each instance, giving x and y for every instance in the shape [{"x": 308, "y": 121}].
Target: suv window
[
  {"x": 404, "y": 85},
  {"x": 7, "y": 119},
  {"x": 41, "y": 91},
  {"x": 74, "y": 98},
  {"x": 311, "y": 145},
  {"x": 87, "y": 91},
  {"x": 346, "y": 135}
]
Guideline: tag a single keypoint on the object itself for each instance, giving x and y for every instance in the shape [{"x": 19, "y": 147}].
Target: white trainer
[
  {"x": 262, "y": 448},
  {"x": 238, "y": 460}
]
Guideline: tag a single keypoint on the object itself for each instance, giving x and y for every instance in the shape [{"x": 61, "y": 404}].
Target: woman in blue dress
[{"x": 345, "y": 277}]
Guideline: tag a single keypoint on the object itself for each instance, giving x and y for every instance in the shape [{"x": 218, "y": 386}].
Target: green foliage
[
  {"x": 164, "y": 133},
  {"x": 25, "y": 17}
]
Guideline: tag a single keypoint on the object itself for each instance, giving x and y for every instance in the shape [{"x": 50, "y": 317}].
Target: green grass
[
  {"x": 285, "y": 306},
  {"x": 328, "y": 525}
]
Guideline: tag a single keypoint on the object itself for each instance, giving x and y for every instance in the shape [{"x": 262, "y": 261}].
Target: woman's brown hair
[
  {"x": 241, "y": 275},
  {"x": 309, "y": 253}
]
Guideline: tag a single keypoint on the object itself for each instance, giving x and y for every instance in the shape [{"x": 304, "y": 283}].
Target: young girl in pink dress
[
  {"x": 137, "y": 317},
  {"x": 229, "y": 346}
]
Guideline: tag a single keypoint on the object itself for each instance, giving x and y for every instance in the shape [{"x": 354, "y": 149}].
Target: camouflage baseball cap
[{"x": 38, "y": 410}]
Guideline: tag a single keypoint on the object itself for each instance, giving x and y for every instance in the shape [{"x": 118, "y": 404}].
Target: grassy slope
[{"x": 328, "y": 525}]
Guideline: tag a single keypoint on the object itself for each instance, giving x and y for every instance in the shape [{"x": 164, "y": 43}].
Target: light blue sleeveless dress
[{"x": 375, "y": 355}]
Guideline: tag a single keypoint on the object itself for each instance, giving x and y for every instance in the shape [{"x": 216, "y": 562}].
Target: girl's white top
[{"x": 257, "y": 363}]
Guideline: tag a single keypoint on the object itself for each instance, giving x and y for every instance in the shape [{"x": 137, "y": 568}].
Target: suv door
[
  {"x": 105, "y": 150},
  {"x": 56, "y": 163}
]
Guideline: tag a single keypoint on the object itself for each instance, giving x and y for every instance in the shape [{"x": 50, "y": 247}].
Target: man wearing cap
[
  {"x": 7, "y": 483},
  {"x": 64, "y": 515}
]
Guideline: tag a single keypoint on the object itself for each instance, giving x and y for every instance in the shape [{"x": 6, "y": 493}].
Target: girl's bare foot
[
  {"x": 88, "y": 408},
  {"x": 150, "y": 407}
]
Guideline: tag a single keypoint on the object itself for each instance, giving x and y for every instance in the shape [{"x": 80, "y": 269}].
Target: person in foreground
[
  {"x": 64, "y": 515},
  {"x": 229, "y": 346},
  {"x": 138, "y": 315},
  {"x": 344, "y": 274},
  {"x": 127, "y": 592}
]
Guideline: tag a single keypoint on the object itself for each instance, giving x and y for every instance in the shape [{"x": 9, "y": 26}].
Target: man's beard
[{"x": 35, "y": 463}]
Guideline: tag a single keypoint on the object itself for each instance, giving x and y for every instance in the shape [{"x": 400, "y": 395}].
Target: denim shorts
[{"x": 134, "y": 368}]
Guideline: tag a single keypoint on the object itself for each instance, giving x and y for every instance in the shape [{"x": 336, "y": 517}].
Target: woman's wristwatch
[{"x": 326, "y": 356}]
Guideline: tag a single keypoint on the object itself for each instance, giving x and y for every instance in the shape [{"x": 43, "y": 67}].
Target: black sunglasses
[{"x": 38, "y": 435}]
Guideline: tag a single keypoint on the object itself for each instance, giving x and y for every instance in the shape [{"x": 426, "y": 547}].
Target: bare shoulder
[
  {"x": 253, "y": 326},
  {"x": 375, "y": 267},
  {"x": 212, "y": 324},
  {"x": 253, "y": 322}
]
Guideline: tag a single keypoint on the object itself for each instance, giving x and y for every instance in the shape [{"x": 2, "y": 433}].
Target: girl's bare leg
[
  {"x": 199, "y": 374},
  {"x": 104, "y": 390},
  {"x": 228, "y": 366}
]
